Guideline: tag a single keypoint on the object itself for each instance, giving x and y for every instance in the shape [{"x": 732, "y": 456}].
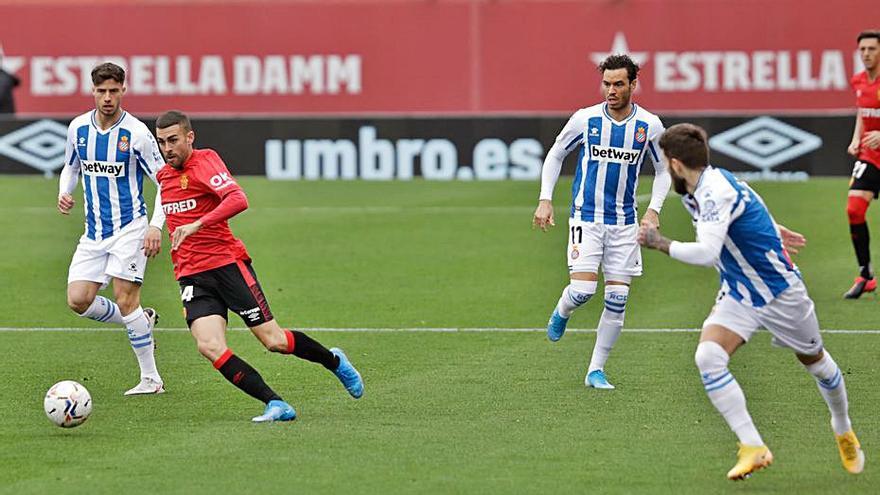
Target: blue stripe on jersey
[
  {"x": 577, "y": 139},
  {"x": 654, "y": 155},
  {"x": 140, "y": 175},
  {"x": 733, "y": 273},
  {"x": 754, "y": 234},
  {"x": 82, "y": 136},
  {"x": 126, "y": 213},
  {"x": 629, "y": 199},
  {"x": 102, "y": 142},
  {"x": 576, "y": 184},
  {"x": 140, "y": 182},
  {"x": 588, "y": 207},
  {"x": 612, "y": 177}
]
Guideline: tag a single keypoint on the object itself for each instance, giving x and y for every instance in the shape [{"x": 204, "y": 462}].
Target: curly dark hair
[{"x": 621, "y": 61}]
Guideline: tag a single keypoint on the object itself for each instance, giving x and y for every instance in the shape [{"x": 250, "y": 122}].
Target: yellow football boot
[
  {"x": 851, "y": 452},
  {"x": 751, "y": 459}
]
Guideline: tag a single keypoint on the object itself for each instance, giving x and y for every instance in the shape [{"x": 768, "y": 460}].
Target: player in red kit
[
  {"x": 214, "y": 270},
  {"x": 865, "y": 146}
]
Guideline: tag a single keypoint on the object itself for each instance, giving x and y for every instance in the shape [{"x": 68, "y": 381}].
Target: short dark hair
[
  {"x": 621, "y": 61},
  {"x": 868, "y": 33},
  {"x": 108, "y": 70},
  {"x": 687, "y": 143},
  {"x": 174, "y": 117}
]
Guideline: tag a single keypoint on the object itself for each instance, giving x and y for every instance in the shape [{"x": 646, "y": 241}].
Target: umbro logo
[
  {"x": 765, "y": 142},
  {"x": 39, "y": 145}
]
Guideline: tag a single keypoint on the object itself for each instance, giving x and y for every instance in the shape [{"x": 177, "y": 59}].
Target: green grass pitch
[{"x": 452, "y": 412}]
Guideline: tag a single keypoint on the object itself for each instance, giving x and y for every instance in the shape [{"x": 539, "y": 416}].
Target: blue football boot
[
  {"x": 596, "y": 379},
  {"x": 276, "y": 410},
  {"x": 556, "y": 326},
  {"x": 349, "y": 376}
]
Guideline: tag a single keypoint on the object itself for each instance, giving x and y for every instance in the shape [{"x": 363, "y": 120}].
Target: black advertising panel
[{"x": 508, "y": 148}]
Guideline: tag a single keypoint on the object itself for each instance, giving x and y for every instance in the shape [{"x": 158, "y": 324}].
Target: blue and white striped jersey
[
  {"x": 113, "y": 164},
  {"x": 605, "y": 180},
  {"x": 753, "y": 265}
]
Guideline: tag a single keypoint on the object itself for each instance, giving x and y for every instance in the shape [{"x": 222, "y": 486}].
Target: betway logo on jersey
[
  {"x": 611, "y": 154},
  {"x": 98, "y": 168},
  {"x": 179, "y": 206}
]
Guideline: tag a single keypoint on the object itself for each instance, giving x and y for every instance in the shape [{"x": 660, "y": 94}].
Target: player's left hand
[
  {"x": 182, "y": 232},
  {"x": 152, "y": 242},
  {"x": 792, "y": 241},
  {"x": 650, "y": 218},
  {"x": 871, "y": 139}
]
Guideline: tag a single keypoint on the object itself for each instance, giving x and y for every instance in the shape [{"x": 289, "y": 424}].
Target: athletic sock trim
[
  {"x": 222, "y": 359},
  {"x": 291, "y": 342}
]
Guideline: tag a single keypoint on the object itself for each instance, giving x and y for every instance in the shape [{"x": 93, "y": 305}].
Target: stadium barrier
[{"x": 762, "y": 147}]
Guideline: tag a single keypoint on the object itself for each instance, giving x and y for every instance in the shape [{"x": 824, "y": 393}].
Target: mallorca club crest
[
  {"x": 641, "y": 135},
  {"x": 184, "y": 181},
  {"x": 123, "y": 144}
]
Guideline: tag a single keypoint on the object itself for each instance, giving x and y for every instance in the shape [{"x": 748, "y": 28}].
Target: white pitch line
[{"x": 412, "y": 330}]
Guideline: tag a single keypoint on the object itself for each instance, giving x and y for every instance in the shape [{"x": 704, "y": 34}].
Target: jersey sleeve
[
  {"x": 713, "y": 217},
  {"x": 70, "y": 169},
  {"x": 662, "y": 179},
  {"x": 146, "y": 150},
  {"x": 569, "y": 138},
  {"x": 216, "y": 177}
]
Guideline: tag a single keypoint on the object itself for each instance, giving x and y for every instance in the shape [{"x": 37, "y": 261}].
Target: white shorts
[
  {"x": 615, "y": 247},
  {"x": 791, "y": 318},
  {"x": 120, "y": 256}
]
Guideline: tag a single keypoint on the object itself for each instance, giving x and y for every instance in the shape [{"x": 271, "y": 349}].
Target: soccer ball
[{"x": 68, "y": 404}]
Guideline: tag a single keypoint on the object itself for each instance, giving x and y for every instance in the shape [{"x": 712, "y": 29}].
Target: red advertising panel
[{"x": 437, "y": 57}]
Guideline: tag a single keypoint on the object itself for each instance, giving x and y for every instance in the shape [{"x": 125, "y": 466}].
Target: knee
[
  {"x": 78, "y": 302},
  {"x": 212, "y": 349},
  {"x": 856, "y": 207},
  {"x": 711, "y": 357}
]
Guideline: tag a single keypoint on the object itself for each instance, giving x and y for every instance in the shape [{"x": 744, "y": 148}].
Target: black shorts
[
  {"x": 865, "y": 177},
  {"x": 214, "y": 292}
]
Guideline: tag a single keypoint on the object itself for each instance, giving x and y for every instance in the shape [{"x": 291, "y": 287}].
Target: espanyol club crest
[
  {"x": 575, "y": 253},
  {"x": 123, "y": 144},
  {"x": 641, "y": 135},
  {"x": 184, "y": 181}
]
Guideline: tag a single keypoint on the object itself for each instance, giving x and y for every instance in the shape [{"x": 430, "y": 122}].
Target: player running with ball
[{"x": 214, "y": 270}]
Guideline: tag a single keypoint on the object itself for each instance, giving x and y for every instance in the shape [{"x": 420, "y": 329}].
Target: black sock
[
  {"x": 304, "y": 347},
  {"x": 243, "y": 376},
  {"x": 861, "y": 242}
]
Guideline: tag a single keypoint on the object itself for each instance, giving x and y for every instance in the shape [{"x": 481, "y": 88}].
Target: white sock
[
  {"x": 610, "y": 324},
  {"x": 574, "y": 295},
  {"x": 140, "y": 334},
  {"x": 829, "y": 379},
  {"x": 104, "y": 310},
  {"x": 725, "y": 393}
]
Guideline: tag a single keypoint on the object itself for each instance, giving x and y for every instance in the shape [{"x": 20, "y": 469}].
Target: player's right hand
[
  {"x": 65, "y": 203},
  {"x": 853, "y": 148},
  {"x": 544, "y": 215}
]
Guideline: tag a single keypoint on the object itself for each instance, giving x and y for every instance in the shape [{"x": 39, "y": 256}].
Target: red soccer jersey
[
  {"x": 868, "y": 102},
  {"x": 188, "y": 195}
]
